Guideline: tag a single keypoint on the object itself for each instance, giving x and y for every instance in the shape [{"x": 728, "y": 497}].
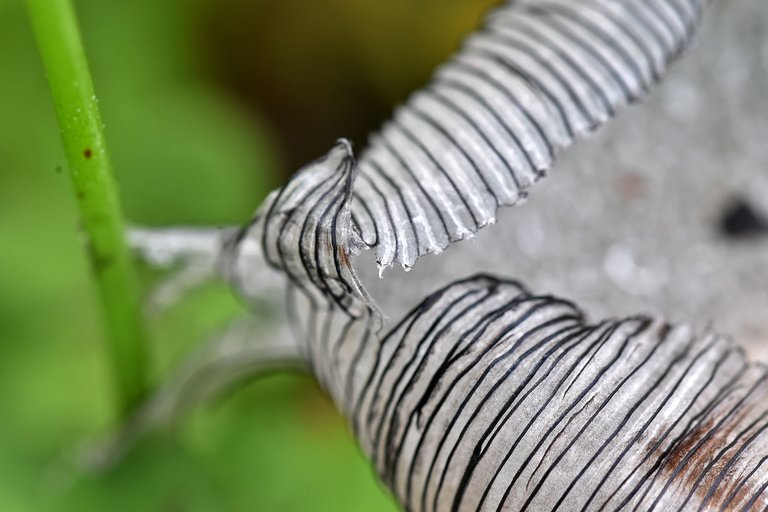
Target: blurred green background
[{"x": 208, "y": 104}]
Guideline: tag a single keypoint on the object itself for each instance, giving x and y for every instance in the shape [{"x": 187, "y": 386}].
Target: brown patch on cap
[{"x": 688, "y": 462}]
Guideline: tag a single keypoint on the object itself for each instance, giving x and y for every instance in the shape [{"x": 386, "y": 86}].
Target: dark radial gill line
[
  {"x": 478, "y": 450},
  {"x": 457, "y": 109},
  {"x": 675, "y": 389},
  {"x": 485, "y": 395},
  {"x": 545, "y": 139},
  {"x": 279, "y": 261},
  {"x": 536, "y": 86},
  {"x": 710, "y": 433},
  {"x": 499, "y": 338},
  {"x": 434, "y": 323},
  {"x": 475, "y": 330},
  {"x": 667, "y": 370},
  {"x": 587, "y": 47},
  {"x": 569, "y": 60},
  {"x": 737, "y": 489},
  {"x": 443, "y": 131},
  {"x": 425, "y": 150},
  {"x": 631, "y": 31},
  {"x": 760, "y": 492},
  {"x": 438, "y": 409},
  {"x": 512, "y": 41},
  {"x": 407, "y": 323},
  {"x": 366, "y": 178},
  {"x": 640, "y": 14},
  {"x": 416, "y": 179},
  {"x": 588, "y": 423},
  {"x": 467, "y": 90},
  {"x": 406, "y": 208},
  {"x": 694, "y": 423},
  {"x": 606, "y": 40},
  {"x": 599, "y": 374},
  {"x": 570, "y": 342},
  {"x": 731, "y": 461},
  {"x": 603, "y": 334},
  {"x": 539, "y": 305},
  {"x": 390, "y": 417}
]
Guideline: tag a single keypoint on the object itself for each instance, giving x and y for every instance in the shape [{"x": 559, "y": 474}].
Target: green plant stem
[{"x": 82, "y": 131}]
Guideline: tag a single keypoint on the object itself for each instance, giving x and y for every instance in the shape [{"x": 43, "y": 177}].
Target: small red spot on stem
[{"x": 87, "y": 153}]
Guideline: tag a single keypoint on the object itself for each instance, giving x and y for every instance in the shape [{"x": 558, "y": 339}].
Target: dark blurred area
[
  {"x": 322, "y": 70},
  {"x": 319, "y": 71},
  {"x": 208, "y": 105}
]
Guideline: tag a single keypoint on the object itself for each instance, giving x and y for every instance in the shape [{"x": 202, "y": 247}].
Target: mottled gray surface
[{"x": 643, "y": 234}]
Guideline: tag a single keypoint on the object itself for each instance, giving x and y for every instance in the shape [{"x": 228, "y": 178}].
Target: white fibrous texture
[{"x": 483, "y": 395}]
